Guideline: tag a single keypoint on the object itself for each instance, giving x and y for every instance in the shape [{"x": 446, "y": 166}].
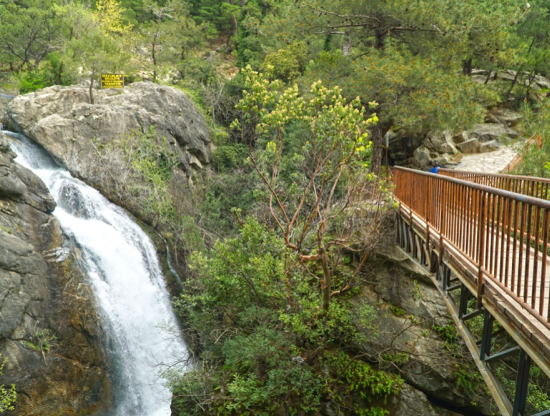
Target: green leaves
[
  {"x": 8, "y": 395},
  {"x": 265, "y": 344},
  {"x": 289, "y": 62},
  {"x": 413, "y": 92},
  {"x": 29, "y": 30},
  {"x": 536, "y": 124}
]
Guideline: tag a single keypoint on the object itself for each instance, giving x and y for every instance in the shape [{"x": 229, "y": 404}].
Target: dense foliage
[
  {"x": 8, "y": 395},
  {"x": 536, "y": 157},
  {"x": 264, "y": 345},
  {"x": 279, "y": 234}
]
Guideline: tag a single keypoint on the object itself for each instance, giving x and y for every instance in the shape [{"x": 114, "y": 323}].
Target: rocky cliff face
[
  {"x": 64, "y": 122},
  {"x": 50, "y": 334},
  {"x": 425, "y": 151},
  {"x": 418, "y": 339}
]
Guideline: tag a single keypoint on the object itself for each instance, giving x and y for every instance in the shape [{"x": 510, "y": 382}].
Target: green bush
[
  {"x": 7, "y": 395},
  {"x": 30, "y": 81},
  {"x": 536, "y": 124},
  {"x": 265, "y": 347},
  {"x": 229, "y": 156},
  {"x": 288, "y": 63}
]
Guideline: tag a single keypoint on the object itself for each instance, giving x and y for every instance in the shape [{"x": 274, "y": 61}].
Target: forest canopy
[{"x": 414, "y": 58}]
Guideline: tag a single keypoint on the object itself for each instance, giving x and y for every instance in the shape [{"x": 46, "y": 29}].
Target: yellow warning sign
[{"x": 112, "y": 81}]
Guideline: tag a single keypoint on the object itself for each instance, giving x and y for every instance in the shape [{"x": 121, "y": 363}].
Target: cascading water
[{"x": 129, "y": 286}]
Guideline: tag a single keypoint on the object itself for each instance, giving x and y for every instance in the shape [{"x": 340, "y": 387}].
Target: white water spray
[{"x": 128, "y": 283}]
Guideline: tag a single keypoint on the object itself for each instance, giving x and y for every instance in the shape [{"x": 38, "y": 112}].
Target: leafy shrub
[
  {"x": 536, "y": 157},
  {"x": 265, "y": 346},
  {"x": 229, "y": 156},
  {"x": 7, "y": 395},
  {"x": 30, "y": 81},
  {"x": 289, "y": 62}
]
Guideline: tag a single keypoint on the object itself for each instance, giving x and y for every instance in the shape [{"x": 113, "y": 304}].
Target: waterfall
[{"x": 122, "y": 265}]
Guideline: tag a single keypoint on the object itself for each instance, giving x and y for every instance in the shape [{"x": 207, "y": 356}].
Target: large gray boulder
[
  {"x": 469, "y": 146},
  {"x": 422, "y": 157},
  {"x": 63, "y": 121},
  {"x": 490, "y": 131},
  {"x": 10, "y": 184},
  {"x": 402, "y": 145},
  {"x": 504, "y": 116},
  {"x": 441, "y": 142},
  {"x": 489, "y": 146},
  {"x": 412, "y": 402}
]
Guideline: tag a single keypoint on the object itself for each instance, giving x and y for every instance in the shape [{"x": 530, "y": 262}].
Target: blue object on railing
[
  {"x": 6, "y": 96},
  {"x": 435, "y": 170}
]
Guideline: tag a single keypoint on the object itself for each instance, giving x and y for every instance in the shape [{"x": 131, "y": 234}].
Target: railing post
[
  {"x": 481, "y": 246},
  {"x": 442, "y": 226},
  {"x": 463, "y": 305},
  {"x": 427, "y": 209},
  {"x": 487, "y": 336},
  {"x": 522, "y": 384}
]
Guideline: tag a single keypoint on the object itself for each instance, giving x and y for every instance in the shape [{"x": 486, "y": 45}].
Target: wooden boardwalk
[{"x": 494, "y": 244}]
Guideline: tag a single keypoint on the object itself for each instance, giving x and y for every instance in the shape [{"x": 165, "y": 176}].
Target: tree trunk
[
  {"x": 467, "y": 67},
  {"x": 234, "y": 20},
  {"x": 346, "y": 46},
  {"x": 380, "y": 37},
  {"x": 235, "y": 25},
  {"x": 531, "y": 78},
  {"x": 154, "y": 63},
  {"x": 326, "y": 283},
  {"x": 378, "y": 133},
  {"x": 91, "y": 86},
  {"x": 519, "y": 70},
  {"x": 514, "y": 83}
]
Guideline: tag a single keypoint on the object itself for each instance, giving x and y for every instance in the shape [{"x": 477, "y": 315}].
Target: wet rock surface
[
  {"x": 5, "y": 98},
  {"x": 412, "y": 317},
  {"x": 50, "y": 334},
  {"x": 412, "y": 402}
]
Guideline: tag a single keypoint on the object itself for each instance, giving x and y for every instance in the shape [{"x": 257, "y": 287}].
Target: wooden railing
[
  {"x": 503, "y": 234},
  {"x": 526, "y": 185}
]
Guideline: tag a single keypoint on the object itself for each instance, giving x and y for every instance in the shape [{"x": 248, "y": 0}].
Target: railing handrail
[
  {"x": 496, "y": 175},
  {"x": 489, "y": 189},
  {"x": 493, "y": 228},
  {"x": 490, "y": 244}
]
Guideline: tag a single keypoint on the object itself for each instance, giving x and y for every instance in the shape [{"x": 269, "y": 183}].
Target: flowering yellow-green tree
[
  {"x": 109, "y": 14},
  {"x": 316, "y": 186}
]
